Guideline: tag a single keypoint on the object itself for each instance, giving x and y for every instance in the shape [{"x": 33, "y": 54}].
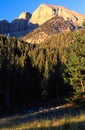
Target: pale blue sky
[{"x": 10, "y": 9}]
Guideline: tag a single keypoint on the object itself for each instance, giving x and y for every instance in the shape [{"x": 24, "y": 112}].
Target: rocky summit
[
  {"x": 27, "y": 22},
  {"x": 25, "y": 15},
  {"x": 45, "y": 12}
]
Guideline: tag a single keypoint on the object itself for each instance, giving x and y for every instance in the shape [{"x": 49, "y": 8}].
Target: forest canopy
[{"x": 52, "y": 69}]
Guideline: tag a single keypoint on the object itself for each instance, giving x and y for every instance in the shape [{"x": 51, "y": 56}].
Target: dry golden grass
[
  {"x": 70, "y": 122},
  {"x": 64, "y": 122}
]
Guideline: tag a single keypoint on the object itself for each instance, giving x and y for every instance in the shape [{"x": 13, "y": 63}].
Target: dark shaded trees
[{"x": 53, "y": 69}]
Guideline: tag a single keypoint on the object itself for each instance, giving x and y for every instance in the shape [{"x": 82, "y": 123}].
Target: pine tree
[{"x": 75, "y": 64}]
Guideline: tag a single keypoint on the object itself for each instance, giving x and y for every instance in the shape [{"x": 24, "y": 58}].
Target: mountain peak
[
  {"x": 25, "y": 15},
  {"x": 46, "y": 11}
]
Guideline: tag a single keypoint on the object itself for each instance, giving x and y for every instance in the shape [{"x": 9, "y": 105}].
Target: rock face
[
  {"x": 25, "y": 15},
  {"x": 26, "y": 22},
  {"x": 18, "y": 27},
  {"x": 21, "y": 23},
  {"x": 45, "y": 12},
  {"x": 53, "y": 26},
  {"x": 4, "y": 26}
]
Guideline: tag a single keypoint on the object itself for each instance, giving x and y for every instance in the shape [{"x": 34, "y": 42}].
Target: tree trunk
[
  {"x": 7, "y": 98},
  {"x": 82, "y": 86}
]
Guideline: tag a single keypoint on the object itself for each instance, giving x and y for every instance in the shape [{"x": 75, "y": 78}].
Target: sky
[{"x": 10, "y": 9}]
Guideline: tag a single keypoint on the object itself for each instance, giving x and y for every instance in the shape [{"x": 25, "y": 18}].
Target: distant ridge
[{"x": 18, "y": 27}]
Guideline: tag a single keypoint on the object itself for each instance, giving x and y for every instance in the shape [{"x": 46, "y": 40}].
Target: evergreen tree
[{"x": 75, "y": 64}]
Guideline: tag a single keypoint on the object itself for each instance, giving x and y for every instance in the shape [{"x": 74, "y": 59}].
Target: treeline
[{"x": 54, "y": 69}]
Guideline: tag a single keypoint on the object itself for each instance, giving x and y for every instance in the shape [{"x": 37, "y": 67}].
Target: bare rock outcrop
[
  {"x": 26, "y": 22},
  {"x": 45, "y": 12},
  {"x": 25, "y": 15},
  {"x": 4, "y": 26},
  {"x": 53, "y": 26},
  {"x": 18, "y": 25}
]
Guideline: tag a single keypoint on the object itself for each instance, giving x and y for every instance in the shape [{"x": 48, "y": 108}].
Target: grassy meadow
[{"x": 54, "y": 118}]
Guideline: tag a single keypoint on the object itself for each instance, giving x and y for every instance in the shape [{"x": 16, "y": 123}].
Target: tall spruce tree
[{"x": 75, "y": 64}]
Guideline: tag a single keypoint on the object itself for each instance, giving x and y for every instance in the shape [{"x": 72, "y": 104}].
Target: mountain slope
[
  {"x": 45, "y": 12},
  {"x": 18, "y": 27},
  {"x": 53, "y": 26},
  {"x": 27, "y": 22}
]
